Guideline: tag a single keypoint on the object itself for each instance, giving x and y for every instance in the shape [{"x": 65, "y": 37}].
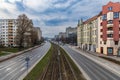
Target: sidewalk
[
  {"x": 98, "y": 54},
  {"x": 114, "y": 68},
  {"x": 102, "y": 55}
]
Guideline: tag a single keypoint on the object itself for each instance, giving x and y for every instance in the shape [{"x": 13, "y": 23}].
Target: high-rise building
[{"x": 8, "y": 32}]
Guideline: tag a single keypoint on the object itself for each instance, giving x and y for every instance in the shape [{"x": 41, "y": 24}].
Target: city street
[
  {"x": 80, "y": 40},
  {"x": 14, "y": 68},
  {"x": 93, "y": 70}
]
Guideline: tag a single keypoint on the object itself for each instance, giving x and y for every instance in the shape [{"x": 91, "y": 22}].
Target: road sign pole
[{"x": 27, "y": 59}]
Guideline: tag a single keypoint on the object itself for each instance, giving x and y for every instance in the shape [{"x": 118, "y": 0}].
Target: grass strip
[
  {"x": 39, "y": 68},
  {"x": 6, "y": 51},
  {"x": 110, "y": 59},
  {"x": 78, "y": 73}
]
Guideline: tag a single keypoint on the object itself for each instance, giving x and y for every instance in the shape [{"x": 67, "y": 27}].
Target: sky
[{"x": 52, "y": 16}]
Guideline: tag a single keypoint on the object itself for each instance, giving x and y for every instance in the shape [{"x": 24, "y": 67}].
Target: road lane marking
[
  {"x": 23, "y": 68},
  {"x": 3, "y": 78},
  {"x": 8, "y": 69}
]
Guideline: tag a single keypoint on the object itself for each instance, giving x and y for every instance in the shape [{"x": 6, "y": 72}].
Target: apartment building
[
  {"x": 8, "y": 32},
  {"x": 110, "y": 29},
  {"x": 87, "y": 37},
  {"x": 101, "y": 32}
]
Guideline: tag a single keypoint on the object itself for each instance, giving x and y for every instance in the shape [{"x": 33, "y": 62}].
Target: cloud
[
  {"x": 36, "y": 5},
  {"x": 52, "y": 16}
]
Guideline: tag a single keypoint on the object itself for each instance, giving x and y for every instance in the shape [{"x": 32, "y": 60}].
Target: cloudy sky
[{"x": 52, "y": 16}]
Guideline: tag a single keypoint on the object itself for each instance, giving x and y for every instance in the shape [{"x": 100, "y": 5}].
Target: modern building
[
  {"x": 8, "y": 32},
  {"x": 62, "y": 35},
  {"x": 71, "y": 30},
  {"x": 56, "y": 37},
  {"x": 109, "y": 33}
]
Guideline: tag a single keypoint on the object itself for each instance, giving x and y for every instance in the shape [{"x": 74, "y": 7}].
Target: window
[
  {"x": 116, "y": 42},
  {"x": 110, "y": 35},
  {"x": 110, "y": 28},
  {"x": 110, "y": 50},
  {"x": 109, "y": 8},
  {"x": 104, "y": 42},
  {"x": 104, "y": 17},
  {"x": 101, "y": 36},
  {"x": 101, "y": 24},
  {"x": 116, "y": 14},
  {"x": 110, "y": 21}
]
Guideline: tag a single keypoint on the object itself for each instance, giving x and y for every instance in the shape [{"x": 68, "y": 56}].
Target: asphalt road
[
  {"x": 12, "y": 69},
  {"x": 93, "y": 70}
]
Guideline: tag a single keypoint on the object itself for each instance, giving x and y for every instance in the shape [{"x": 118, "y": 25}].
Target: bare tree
[{"x": 24, "y": 25}]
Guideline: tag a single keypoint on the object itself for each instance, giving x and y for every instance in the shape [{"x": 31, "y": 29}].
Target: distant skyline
[{"x": 52, "y": 16}]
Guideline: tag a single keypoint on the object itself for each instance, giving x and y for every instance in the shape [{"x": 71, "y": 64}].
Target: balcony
[
  {"x": 10, "y": 30},
  {"x": 109, "y": 25},
  {"x": 11, "y": 43},
  {"x": 10, "y": 24},
  {"x": 109, "y": 32},
  {"x": 10, "y": 27},
  {"x": 10, "y": 37}
]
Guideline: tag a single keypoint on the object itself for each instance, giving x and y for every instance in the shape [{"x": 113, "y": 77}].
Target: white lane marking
[
  {"x": 3, "y": 78},
  {"x": 6, "y": 66},
  {"x": 8, "y": 69},
  {"x": 23, "y": 68}
]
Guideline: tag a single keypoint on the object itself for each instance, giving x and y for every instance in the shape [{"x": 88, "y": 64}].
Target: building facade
[
  {"x": 87, "y": 36},
  {"x": 8, "y": 32},
  {"x": 62, "y": 35},
  {"x": 101, "y": 33},
  {"x": 70, "y": 30},
  {"x": 80, "y": 34},
  {"x": 110, "y": 29}
]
